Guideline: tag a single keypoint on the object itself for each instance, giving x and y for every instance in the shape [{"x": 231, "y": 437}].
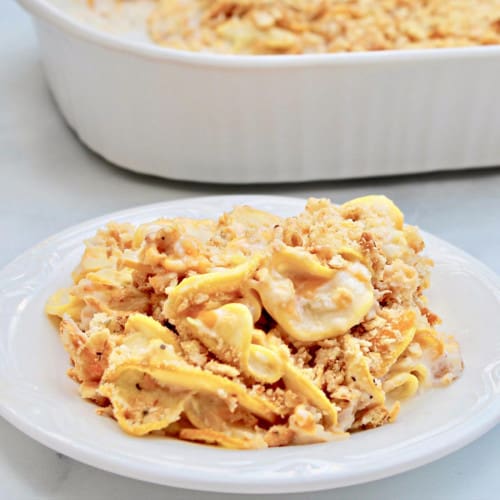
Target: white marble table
[{"x": 48, "y": 181}]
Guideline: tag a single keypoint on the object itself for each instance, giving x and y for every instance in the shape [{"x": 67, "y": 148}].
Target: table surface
[{"x": 49, "y": 181}]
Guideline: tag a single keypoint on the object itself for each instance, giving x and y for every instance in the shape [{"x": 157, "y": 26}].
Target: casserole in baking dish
[{"x": 261, "y": 118}]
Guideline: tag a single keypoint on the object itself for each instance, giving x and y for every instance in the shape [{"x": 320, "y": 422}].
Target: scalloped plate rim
[{"x": 487, "y": 419}]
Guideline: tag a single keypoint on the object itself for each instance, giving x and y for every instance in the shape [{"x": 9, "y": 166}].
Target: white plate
[{"x": 38, "y": 398}]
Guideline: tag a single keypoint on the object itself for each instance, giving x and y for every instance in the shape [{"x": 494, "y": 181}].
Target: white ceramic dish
[
  {"x": 240, "y": 119},
  {"x": 38, "y": 398}
]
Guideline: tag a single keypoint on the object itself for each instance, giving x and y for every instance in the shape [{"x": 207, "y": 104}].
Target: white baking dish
[{"x": 240, "y": 119}]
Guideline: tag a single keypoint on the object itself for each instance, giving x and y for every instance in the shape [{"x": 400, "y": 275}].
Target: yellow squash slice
[
  {"x": 358, "y": 372},
  {"x": 299, "y": 383},
  {"x": 378, "y": 205},
  {"x": 228, "y": 332},
  {"x": 189, "y": 291},
  {"x": 311, "y": 301},
  {"x": 183, "y": 377},
  {"x": 64, "y": 302}
]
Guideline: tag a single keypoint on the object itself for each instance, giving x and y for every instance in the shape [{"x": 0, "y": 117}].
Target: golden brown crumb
[
  {"x": 312, "y": 26},
  {"x": 279, "y": 435}
]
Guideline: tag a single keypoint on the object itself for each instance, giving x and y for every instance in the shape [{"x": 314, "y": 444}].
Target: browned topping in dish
[
  {"x": 297, "y": 26},
  {"x": 312, "y": 26}
]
